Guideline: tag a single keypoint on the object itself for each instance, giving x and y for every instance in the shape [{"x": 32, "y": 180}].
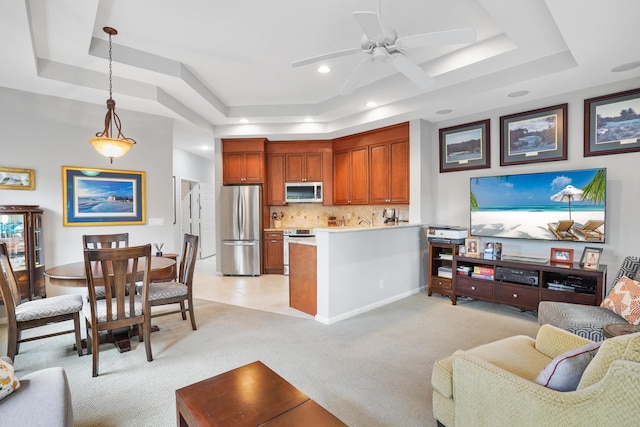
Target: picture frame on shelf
[
  {"x": 561, "y": 256},
  {"x": 590, "y": 258},
  {"x": 612, "y": 123},
  {"x": 472, "y": 247},
  {"x": 534, "y": 136},
  {"x": 102, "y": 197},
  {"x": 465, "y": 147},
  {"x": 17, "y": 179}
]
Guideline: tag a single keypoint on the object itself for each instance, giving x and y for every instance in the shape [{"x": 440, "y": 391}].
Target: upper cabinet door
[
  {"x": 304, "y": 167},
  {"x": 275, "y": 180},
  {"x": 399, "y": 172},
  {"x": 254, "y": 167}
]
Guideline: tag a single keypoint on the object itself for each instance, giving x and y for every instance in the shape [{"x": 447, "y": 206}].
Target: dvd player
[{"x": 517, "y": 275}]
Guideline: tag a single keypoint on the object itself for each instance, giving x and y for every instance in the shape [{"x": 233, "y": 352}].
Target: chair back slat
[
  {"x": 8, "y": 283},
  {"x": 188, "y": 261}
]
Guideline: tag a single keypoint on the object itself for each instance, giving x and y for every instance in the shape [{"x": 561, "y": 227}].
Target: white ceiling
[{"x": 209, "y": 63}]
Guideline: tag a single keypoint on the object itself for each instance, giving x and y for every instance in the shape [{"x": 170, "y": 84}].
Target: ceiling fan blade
[
  {"x": 412, "y": 71},
  {"x": 459, "y": 36},
  {"x": 353, "y": 80},
  {"x": 325, "y": 56},
  {"x": 371, "y": 25}
]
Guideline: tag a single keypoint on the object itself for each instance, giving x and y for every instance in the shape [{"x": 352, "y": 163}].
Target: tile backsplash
[{"x": 311, "y": 215}]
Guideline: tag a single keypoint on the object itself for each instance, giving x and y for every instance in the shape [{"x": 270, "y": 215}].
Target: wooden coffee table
[{"x": 252, "y": 395}]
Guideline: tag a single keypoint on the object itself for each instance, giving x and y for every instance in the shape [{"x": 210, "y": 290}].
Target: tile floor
[{"x": 268, "y": 292}]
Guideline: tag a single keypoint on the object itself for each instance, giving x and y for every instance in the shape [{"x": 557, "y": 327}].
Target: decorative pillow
[
  {"x": 8, "y": 381},
  {"x": 624, "y": 300},
  {"x": 563, "y": 373}
]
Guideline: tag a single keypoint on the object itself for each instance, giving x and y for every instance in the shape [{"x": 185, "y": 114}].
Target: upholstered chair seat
[{"x": 48, "y": 307}]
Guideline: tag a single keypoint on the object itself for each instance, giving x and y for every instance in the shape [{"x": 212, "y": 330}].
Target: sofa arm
[
  {"x": 487, "y": 395},
  {"x": 44, "y": 398},
  {"x": 552, "y": 341}
]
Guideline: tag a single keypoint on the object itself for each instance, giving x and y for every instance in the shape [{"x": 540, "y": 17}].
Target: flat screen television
[{"x": 563, "y": 205}]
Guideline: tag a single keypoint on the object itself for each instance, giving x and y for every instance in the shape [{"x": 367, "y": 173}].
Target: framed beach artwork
[
  {"x": 590, "y": 258},
  {"x": 17, "y": 179},
  {"x": 534, "y": 136},
  {"x": 562, "y": 205},
  {"x": 465, "y": 147},
  {"x": 612, "y": 123},
  {"x": 102, "y": 197}
]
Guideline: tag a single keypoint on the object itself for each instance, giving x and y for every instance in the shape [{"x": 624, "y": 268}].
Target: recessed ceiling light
[
  {"x": 308, "y": 119},
  {"x": 518, "y": 93},
  {"x": 626, "y": 67},
  {"x": 324, "y": 69},
  {"x": 446, "y": 111},
  {"x": 371, "y": 104},
  {"x": 243, "y": 121}
]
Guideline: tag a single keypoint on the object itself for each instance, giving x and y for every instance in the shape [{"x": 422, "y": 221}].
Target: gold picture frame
[
  {"x": 472, "y": 247},
  {"x": 17, "y": 179}
]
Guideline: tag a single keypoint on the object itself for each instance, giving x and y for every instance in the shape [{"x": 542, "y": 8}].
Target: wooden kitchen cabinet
[
  {"x": 389, "y": 178},
  {"x": 351, "y": 176},
  {"x": 243, "y": 161},
  {"x": 21, "y": 231},
  {"x": 273, "y": 252},
  {"x": 275, "y": 179},
  {"x": 303, "y": 274},
  {"x": 303, "y": 167}
]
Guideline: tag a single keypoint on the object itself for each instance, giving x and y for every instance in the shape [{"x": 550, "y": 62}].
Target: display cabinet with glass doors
[{"x": 21, "y": 231}]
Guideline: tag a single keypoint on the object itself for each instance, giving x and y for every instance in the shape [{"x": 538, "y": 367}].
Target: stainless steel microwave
[{"x": 303, "y": 192}]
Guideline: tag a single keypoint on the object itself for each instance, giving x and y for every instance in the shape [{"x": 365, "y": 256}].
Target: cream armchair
[{"x": 493, "y": 384}]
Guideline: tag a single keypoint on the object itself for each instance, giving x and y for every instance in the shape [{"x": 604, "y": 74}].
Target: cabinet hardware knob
[
  {"x": 515, "y": 295},
  {"x": 473, "y": 288}
]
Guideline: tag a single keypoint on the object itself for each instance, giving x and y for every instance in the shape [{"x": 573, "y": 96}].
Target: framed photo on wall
[
  {"x": 17, "y": 179},
  {"x": 465, "y": 147},
  {"x": 102, "y": 197},
  {"x": 612, "y": 123},
  {"x": 534, "y": 136}
]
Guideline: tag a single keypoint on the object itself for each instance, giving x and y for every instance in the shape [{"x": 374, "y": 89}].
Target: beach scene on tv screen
[{"x": 565, "y": 205}]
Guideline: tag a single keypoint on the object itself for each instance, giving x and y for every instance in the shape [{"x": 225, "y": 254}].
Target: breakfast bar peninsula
[{"x": 359, "y": 268}]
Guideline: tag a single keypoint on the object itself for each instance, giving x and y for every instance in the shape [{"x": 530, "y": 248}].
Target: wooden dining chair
[
  {"x": 38, "y": 312},
  {"x": 102, "y": 241},
  {"x": 111, "y": 269},
  {"x": 164, "y": 293}
]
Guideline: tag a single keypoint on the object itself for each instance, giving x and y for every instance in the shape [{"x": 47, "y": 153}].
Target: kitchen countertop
[{"x": 350, "y": 228}]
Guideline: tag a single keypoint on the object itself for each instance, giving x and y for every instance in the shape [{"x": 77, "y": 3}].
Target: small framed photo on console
[
  {"x": 590, "y": 258},
  {"x": 472, "y": 246},
  {"x": 561, "y": 257}
]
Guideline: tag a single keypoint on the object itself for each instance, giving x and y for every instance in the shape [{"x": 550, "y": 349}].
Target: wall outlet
[{"x": 381, "y": 284}]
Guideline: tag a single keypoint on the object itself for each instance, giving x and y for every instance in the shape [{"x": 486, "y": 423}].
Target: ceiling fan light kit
[{"x": 382, "y": 44}]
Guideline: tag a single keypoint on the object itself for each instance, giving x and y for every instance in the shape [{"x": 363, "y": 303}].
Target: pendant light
[{"x": 104, "y": 143}]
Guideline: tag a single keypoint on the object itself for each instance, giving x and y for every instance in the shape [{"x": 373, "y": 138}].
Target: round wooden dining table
[{"x": 74, "y": 275}]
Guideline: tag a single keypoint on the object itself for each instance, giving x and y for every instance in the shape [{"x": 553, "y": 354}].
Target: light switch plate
[{"x": 156, "y": 222}]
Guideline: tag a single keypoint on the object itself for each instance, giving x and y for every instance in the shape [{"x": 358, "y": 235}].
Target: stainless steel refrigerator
[{"x": 241, "y": 213}]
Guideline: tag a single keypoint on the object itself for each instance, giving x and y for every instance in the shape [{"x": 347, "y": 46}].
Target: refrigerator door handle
[{"x": 240, "y": 243}]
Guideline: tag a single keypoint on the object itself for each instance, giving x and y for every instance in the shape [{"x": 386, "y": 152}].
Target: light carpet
[{"x": 370, "y": 370}]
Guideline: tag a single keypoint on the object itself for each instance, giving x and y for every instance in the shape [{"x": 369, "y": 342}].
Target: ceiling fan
[{"x": 384, "y": 45}]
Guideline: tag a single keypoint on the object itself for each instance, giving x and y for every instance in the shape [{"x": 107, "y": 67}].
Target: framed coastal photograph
[
  {"x": 465, "y": 147},
  {"x": 561, "y": 255},
  {"x": 534, "y": 136},
  {"x": 612, "y": 123},
  {"x": 472, "y": 246},
  {"x": 102, "y": 196},
  {"x": 590, "y": 258},
  {"x": 17, "y": 179}
]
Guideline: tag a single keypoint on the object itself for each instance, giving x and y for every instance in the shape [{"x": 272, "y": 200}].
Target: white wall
[
  {"x": 449, "y": 194},
  {"x": 45, "y": 133}
]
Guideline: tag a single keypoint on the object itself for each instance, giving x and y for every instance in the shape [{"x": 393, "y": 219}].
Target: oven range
[{"x": 293, "y": 232}]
